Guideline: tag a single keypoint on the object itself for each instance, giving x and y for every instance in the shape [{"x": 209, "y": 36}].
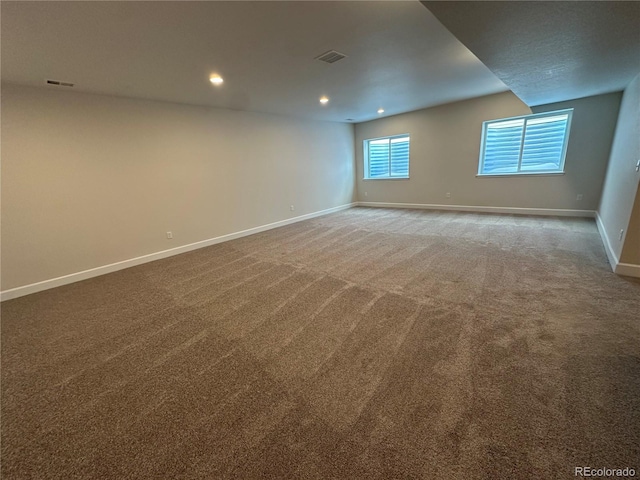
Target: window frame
[
  {"x": 365, "y": 149},
  {"x": 526, "y": 118}
]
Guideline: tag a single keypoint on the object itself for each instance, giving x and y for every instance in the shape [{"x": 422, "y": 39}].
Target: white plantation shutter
[
  {"x": 531, "y": 144},
  {"x": 379, "y": 158},
  {"x": 543, "y": 144},
  {"x": 502, "y": 146},
  {"x": 400, "y": 157},
  {"x": 387, "y": 157}
]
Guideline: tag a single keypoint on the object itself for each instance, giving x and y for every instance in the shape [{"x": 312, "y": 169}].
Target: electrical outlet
[
  {"x": 448, "y": 194},
  {"x": 169, "y": 235},
  {"x": 365, "y": 194},
  {"x": 579, "y": 196},
  {"x": 621, "y": 235},
  {"x": 292, "y": 208}
]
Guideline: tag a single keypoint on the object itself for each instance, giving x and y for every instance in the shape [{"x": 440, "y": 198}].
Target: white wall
[
  {"x": 445, "y": 146},
  {"x": 90, "y": 180},
  {"x": 621, "y": 183}
]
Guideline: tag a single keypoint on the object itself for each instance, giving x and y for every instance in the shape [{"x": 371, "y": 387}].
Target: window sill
[
  {"x": 386, "y": 178},
  {"x": 541, "y": 174}
]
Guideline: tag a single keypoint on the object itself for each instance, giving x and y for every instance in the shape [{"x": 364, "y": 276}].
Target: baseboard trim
[
  {"x": 613, "y": 258},
  {"x": 548, "y": 212},
  {"x": 114, "y": 267},
  {"x": 626, "y": 269}
]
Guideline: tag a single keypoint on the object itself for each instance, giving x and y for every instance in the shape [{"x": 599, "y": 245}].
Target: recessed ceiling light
[
  {"x": 216, "y": 79},
  {"x": 324, "y": 100},
  {"x": 381, "y": 110}
]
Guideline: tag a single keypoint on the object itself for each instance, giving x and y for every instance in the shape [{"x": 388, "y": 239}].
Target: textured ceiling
[
  {"x": 550, "y": 51},
  {"x": 399, "y": 57}
]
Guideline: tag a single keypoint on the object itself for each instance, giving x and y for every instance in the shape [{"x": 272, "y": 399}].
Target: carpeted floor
[{"x": 367, "y": 344}]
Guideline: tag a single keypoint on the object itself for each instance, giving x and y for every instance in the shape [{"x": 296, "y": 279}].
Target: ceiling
[
  {"x": 399, "y": 56},
  {"x": 550, "y": 51}
]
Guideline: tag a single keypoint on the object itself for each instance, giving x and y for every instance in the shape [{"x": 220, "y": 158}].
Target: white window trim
[
  {"x": 519, "y": 173},
  {"x": 365, "y": 151}
]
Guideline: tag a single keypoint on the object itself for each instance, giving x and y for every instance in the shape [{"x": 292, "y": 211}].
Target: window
[
  {"x": 532, "y": 144},
  {"x": 386, "y": 157}
]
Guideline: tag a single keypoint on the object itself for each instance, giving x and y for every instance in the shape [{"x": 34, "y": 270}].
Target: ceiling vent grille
[
  {"x": 58, "y": 83},
  {"x": 331, "y": 56}
]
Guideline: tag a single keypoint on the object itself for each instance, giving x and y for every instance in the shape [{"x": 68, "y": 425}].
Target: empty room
[{"x": 320, "y": 240}]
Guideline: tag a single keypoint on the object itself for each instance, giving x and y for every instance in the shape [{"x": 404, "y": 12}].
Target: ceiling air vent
[
  {"x": 59, "y": 83},
  {"x": 331, "y": 56}
]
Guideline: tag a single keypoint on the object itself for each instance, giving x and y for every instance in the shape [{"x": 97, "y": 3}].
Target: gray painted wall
[
  {"x": 445, "y": 146},
  {"x": 621, "y": 184},
  {"x": 631, "y": 247},
  {"x": 89, "y": 180}
]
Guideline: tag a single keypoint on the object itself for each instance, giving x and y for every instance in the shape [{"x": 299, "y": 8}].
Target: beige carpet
[{"x": 367, "y": 344}]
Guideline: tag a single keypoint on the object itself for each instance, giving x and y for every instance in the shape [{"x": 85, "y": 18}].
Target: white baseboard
[
  {"x": 113, "y": 267},
  {"x": 626, "y": 269},
  {"x": 613, "y": 258},
  {"x": 553, "y": 212}
]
